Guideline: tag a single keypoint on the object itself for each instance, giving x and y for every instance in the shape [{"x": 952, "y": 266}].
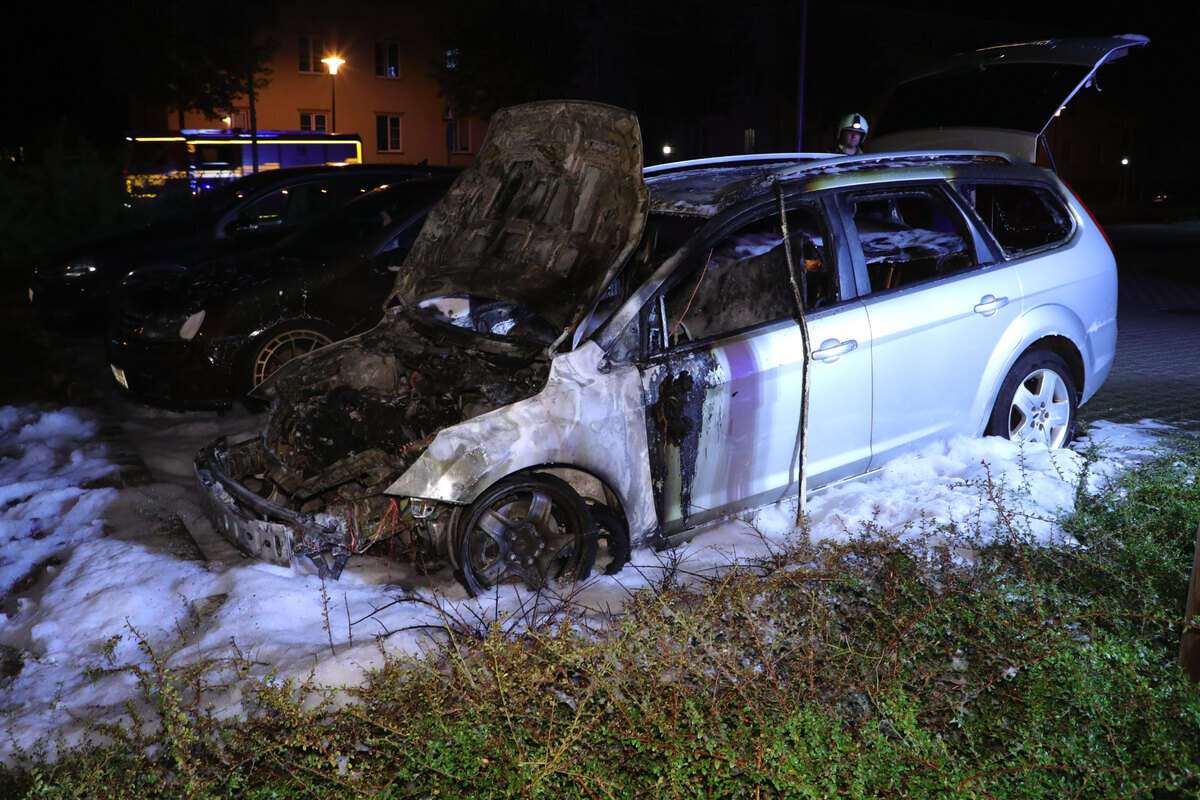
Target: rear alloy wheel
[
  {"x": 533, "y": 527},
  {"x": 284, "y": 342},
  {"x": 1037, "y": 401}
]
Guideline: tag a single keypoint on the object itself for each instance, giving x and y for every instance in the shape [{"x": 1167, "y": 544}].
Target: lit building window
[
  {"x": 388, "y": 133},
  {"x": 387, "y": 60},
  {"x": 314, "y": 121},
  {"x": 311, "y": 51}
]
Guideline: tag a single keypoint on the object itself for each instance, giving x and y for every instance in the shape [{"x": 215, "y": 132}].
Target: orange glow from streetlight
[{"x": 333, "y": 62}]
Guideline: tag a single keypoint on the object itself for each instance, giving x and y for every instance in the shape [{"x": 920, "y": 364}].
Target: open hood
[
  {"x": 997, "y": 98},
  {"x": 544, "y": 218}
]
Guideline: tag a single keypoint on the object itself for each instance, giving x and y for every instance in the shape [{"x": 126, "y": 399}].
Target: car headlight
[
  {"x": 191, "y": 325},
  {"x": 77, "y": 268}
]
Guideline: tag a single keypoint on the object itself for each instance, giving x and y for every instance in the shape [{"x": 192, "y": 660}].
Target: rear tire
[{"x": 1037, "y": 401}]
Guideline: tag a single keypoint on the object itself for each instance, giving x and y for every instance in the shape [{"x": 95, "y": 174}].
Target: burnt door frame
[{"x": 683, "y": 386}]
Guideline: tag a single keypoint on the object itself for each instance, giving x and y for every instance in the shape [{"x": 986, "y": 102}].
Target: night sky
[{"x": 64, "y": 69}]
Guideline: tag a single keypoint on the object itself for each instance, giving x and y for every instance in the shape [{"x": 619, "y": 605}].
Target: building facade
[{"x": 383, "y": 90}]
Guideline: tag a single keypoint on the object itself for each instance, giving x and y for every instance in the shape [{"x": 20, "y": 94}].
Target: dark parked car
[
  {"x": 72, "y": 288},
  {"x": 206, "y": 335}
]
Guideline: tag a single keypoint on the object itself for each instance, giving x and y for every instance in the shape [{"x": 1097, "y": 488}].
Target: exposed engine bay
[{"x": 360, "y": 413}]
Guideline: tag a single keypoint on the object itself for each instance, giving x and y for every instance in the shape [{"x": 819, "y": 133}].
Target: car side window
[
  {"x": 818, "y": 278},
  {"x": 1021, "y": 217},
  {"x": 909, "y": 235},
  {"x": 266, "y": 211},
  {"x": 308, "y": 201},
  {"x": 293, "y": 205},
  {"x": 361, "y": 184},
  {"x": 742, "y": 280},
  {"x": 406, "y": 237}
]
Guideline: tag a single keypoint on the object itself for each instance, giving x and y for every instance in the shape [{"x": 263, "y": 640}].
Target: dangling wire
[{"x": 695, "y": 288}]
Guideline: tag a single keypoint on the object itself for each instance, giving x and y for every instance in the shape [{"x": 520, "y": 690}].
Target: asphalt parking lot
[{"x": 1156, "y": 370}]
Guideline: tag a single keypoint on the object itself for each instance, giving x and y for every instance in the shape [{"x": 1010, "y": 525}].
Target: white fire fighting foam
[{"x": 70, "y": 628}]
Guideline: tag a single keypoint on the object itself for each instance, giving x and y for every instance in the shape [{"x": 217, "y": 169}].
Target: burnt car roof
[
  {"x": 546, "y": 215},
  {"x": 704, "y": 191}
]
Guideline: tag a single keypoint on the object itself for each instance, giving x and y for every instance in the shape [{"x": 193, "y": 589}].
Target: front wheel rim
[
  {"x": 282, "y": 348},
  {"x": 531, "y": 532},
  {"x": 1041, "y": 409}
]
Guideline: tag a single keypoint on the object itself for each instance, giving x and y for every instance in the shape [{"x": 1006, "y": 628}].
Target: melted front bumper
[{"x": 256, "y": 526}]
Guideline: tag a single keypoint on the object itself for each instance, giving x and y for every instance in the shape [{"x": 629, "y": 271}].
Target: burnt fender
[{"x": 585, "y": 417}]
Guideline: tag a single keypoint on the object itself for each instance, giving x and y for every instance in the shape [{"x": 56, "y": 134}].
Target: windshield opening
[
  {"x": 486, "y": 317},
  {"x": 362, "y": 221}
]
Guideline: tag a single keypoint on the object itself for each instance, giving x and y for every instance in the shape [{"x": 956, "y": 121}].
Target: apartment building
[{"x": 383, "y": 89}]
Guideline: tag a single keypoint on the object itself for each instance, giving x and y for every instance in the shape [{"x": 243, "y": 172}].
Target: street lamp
[{"x": 333, "y": 62}]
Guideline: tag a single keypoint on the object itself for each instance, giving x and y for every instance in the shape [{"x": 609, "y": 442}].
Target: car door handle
[
  {"x": 832, "y": 349},
  {"x": 989, "y": 304}
]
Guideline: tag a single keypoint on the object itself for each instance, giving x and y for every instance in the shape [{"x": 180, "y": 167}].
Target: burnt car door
[
  {"x": 940, "y": 301},
  {"x": 723, "y": 372}
]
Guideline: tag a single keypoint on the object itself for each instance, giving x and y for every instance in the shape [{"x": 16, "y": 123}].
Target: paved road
[{"x": 1156, "y": 371}]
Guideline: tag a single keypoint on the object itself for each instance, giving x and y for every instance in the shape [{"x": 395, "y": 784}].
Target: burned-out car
[
  {"x": 206, "y": 335},
  {"x": 580, "y": 360}
]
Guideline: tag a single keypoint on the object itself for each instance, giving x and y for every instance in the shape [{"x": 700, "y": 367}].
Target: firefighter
[{"x": 852, "y": 133}]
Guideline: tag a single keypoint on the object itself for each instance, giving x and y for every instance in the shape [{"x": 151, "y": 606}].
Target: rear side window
[
  {"x": 908, "y": 236},
  {"x": 1022, "y": 218},
  {"x": 288, "y": 207}
]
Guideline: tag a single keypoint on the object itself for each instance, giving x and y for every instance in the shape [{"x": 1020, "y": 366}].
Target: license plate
[{"x": 119, "y": 374}]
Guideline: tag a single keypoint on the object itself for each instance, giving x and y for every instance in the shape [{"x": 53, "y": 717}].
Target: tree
[
  {"x": 190, "y": 57},
  {"x": 500, "y": 53}
]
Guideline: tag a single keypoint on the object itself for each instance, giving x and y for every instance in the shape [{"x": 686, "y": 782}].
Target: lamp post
[{"x": 333, "y": 62}]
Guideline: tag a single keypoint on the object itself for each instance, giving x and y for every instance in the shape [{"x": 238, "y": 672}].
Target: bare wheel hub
[{"x": 525, "y": 543}]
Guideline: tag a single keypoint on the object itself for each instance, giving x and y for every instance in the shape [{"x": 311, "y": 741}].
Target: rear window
[
  {"x": 1022, "y": 218},
  {"x": 909, "y": 235}
]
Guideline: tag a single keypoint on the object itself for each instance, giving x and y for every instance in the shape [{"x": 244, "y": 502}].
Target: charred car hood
[
  {"x": 997, "y": 98},
  {"x": 544, "y": 218}
]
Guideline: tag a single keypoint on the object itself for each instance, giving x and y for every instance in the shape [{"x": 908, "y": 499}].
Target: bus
[{"x": 192, "y": 161}]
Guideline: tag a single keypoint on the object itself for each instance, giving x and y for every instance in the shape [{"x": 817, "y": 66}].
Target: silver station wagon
[{"x": 582, "y": 356}]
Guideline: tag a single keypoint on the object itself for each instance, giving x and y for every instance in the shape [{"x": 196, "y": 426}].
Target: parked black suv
[{"x": 72, "y": 288}]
